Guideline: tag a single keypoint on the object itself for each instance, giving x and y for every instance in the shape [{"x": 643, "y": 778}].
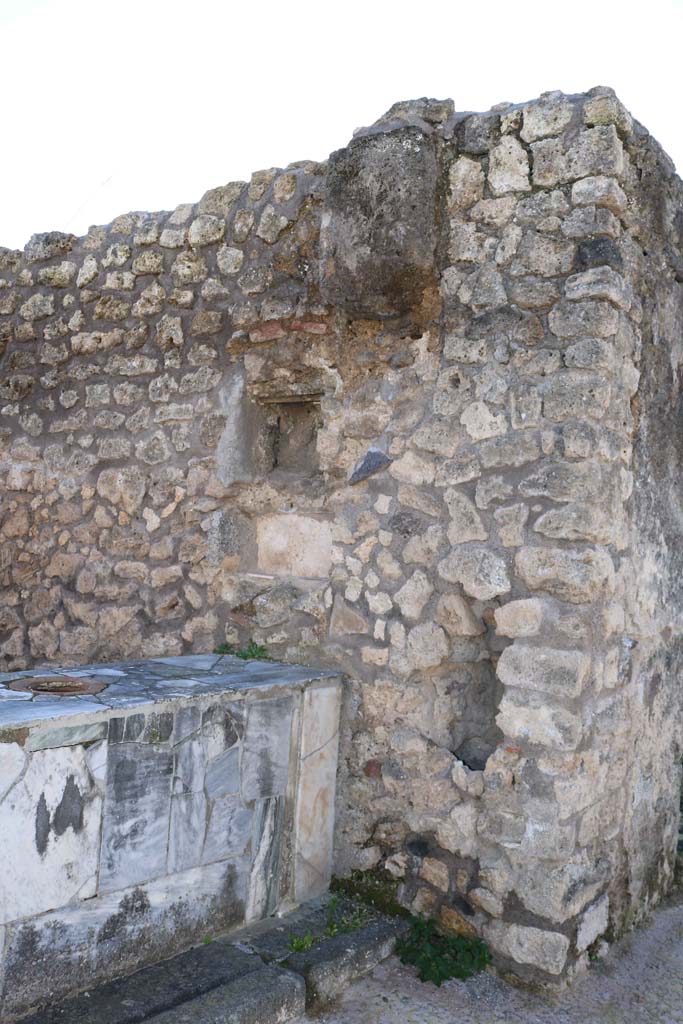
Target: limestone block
[
  {"x": 229, "y": 259},
  {"x": 345, "y": 620},
  {"x": 486, "y": 901},
  {"x": 424, "y": 548},
  {"x": 45, "y": 245},
  {"x": 599, "y": 191},
  {"x": 148, "y": 263},
  {"x": 294, "y": 545},
  {"x": 510, "y": 451},
  {"x": 412, "y": 468},
  {"x": 534, "y": 719},
  {"x": 377, "y": 244},
  {"x": 556, "y": 672},
  {"x": 574, "y": 575},
  {"x": 468, "y": 780},
  {"x": 482, "y": 573},
  {"x": 543, "y": 255},
  {"x": 484, "y": 289},
  {"x": 575, "y": 395},
  {"x": 454, "y": 921},
  {"x": 169, "y": 333},
  {"x": 533, "y": 292},
  {"x": 206, "y": 229},
  {"x": 412, "y": 597},
  {"x": 494, "y": 213},
  {"x": 520, "y": 618},
  {"x": 467, "y": 245},
  {"x": 457, "y": 832},
  {"x": 593, "y": 923},
  {"x": 480, "y": 422},
  {"x": 590, "y": 317},
  {"x": 599, "y": 283},
  {"x": 583, "y": 223},
  {"x": 578, "y": 522},
  {"x": 510, "y": 522},
  {"x": 58, "y": 276},
  {"x": 37, "y": 307},
  {"x": 565, "y": 481},
  {"x": 466, "y": 183},
  {"x": 465, "y": 524},
  {"x": 546, "y": 950},
  {"x": 426, "y": 647},
  {"x": 455, "y": 615},
  {"x": 96, "y": 341},
  {"x": 607, "y": 110},
  {"x": 271, "y": 224},
  {"x": 560, "y": 891},
  {"x": 436, "y": 873},
  {"x": 508, "y": 167},
  {"x": 597, "y": 151},
  {"x": 548, "y": 116}
]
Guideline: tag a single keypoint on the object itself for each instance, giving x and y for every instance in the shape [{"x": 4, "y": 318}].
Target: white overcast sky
[{"x": 117, "y": 105}]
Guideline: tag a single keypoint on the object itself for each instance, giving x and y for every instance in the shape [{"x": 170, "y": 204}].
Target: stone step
[
  {"x": 269, "y": 995},
  {"x": 364, "y": 939},
  {"x": 140, "y": 996},
  {"x": 329, "y": 968},
  {"x": 248, "y": 977}
]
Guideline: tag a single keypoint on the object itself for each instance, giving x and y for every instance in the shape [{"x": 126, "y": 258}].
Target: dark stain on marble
[
  {"x": 42, "y": 825},
  {"x": 132, "y": 907},
  {"x": 69, "y": 812}
]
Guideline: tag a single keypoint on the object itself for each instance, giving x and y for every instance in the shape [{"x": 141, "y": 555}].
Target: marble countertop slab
[{"x": 154, "y": 681}]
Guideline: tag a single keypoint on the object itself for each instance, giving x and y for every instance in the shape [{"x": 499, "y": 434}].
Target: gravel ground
[{"x": 640, "y": 981}]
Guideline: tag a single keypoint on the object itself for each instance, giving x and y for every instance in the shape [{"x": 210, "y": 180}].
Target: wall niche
[{"x": 293, "y": 425}]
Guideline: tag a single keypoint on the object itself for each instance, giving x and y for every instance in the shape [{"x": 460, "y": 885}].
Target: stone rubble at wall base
[{"x": 413, "y": 414}]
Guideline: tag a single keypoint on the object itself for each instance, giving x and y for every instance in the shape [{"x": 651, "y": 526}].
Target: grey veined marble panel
[
  {"x": 265, "y": 759},
  {"x": 168, "y": 807}
]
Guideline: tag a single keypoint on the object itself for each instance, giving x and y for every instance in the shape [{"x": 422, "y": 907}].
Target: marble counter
[{"x": 190, "y": 796}]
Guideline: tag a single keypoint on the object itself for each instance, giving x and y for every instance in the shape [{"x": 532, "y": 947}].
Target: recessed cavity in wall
[
  {"x": 294, "y": 424},
  {"x": 476, "y": 696}
]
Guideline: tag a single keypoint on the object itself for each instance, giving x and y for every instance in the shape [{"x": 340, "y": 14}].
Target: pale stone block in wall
[
  {"x": 481, "y": 573},
  {"x": 556, "y": 672},
  {"x": 593, "y": 923},
  {"x": 576, "y": 576},
  {"x": 294, "y": 545},
  {"x": 508, "y": 167},
  {"x": 535, "y": 719},
  {"x": 519, "y": 618},
  {"x": 542, "y": 949}
]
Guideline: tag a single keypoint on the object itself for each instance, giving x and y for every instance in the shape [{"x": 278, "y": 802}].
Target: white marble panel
[
  {"x": 50, "y": 829},
  {"x": 314, "y": 818}
]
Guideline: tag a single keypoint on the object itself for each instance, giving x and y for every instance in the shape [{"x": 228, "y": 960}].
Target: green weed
[
  {"x": 301, "y": 943},
  {"x": 439, "y": 957},
  {"x": 373, "y": 888},
  {"x": 252, "y": 651}
]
